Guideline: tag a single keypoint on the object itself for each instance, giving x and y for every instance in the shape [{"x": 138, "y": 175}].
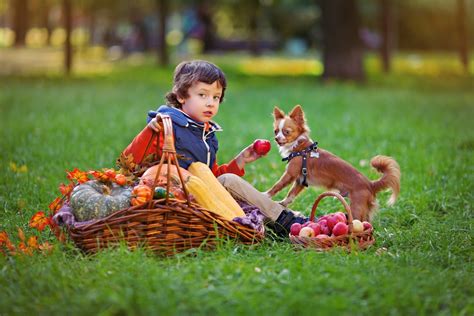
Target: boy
[{"x": 198, "y": 90}]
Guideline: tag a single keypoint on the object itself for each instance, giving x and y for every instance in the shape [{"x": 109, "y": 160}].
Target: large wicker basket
[
  {"x": 352, "y": 240},
  {"x": 165, "y": 226}
]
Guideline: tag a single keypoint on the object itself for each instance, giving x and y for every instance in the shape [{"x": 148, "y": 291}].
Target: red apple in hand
[{"x": 261, "y": 146}]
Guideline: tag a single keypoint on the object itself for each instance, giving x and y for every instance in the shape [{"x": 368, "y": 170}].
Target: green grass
[{"x": 51, "y": 124}]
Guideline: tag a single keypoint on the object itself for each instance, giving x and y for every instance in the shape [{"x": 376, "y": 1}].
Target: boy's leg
[{"x": 244, "y": 191}]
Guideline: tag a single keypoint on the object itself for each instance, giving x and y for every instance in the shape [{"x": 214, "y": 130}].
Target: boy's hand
[
  {"x": 247, "y": 155},
  {"x": 156, "y": 124}
]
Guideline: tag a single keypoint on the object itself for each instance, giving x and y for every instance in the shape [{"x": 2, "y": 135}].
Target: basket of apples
[{"x": 332, "y": 230}]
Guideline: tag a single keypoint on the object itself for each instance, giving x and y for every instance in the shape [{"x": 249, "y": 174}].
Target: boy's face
[{"x": 202, "y": 103}]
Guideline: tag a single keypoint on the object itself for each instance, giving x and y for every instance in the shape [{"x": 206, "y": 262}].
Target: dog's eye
[
  {"x": 275, "y": 131},
  {"x": 286, "y": 132}
]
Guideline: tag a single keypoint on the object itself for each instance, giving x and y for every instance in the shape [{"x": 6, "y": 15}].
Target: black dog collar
[{"x": 303, "y": 153}]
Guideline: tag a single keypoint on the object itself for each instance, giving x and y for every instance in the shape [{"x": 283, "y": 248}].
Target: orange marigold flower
[
  {"x": 110, "y": 173},
  {"x": 33, "y": 242},
  {"x": 78, "y": 175},
  {"x": 45, "y": 247},
  {"x": 98, "y": 175},
  {"x": 39, "y": 221},
  {"x": 56, "y": 205},
  {"x": 5, "y": 241},
  {"x": 66, "y": 189}
]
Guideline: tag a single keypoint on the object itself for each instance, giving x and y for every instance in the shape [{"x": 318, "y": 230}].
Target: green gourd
[{"x": 94, "y": 200}]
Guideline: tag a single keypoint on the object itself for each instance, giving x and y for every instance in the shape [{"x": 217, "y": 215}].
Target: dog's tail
[{"x": 391, "y": 176}]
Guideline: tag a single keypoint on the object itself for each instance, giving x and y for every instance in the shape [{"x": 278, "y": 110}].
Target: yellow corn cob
[
  {"x": 206, "y": 198},
  {"x": 203, "y": 172}
]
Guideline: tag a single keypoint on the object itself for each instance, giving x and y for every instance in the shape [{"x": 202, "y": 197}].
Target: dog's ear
[
  {"x": 277, "y": 113},
  {"x": 297, "y": 114}
]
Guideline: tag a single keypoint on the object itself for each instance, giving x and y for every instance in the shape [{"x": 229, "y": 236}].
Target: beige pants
[{"x": 244, "y": 191}]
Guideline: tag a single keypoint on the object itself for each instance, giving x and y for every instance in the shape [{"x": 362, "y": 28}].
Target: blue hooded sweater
[{"x": 192, "y": 141}]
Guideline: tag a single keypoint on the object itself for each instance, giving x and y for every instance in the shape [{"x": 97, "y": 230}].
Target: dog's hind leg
[{"x": 294, "y": 191}]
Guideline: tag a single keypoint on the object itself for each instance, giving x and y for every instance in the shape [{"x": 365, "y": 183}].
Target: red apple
[
  {"x": 325, "y": 229},
  {"x": 307, "y": 224},
  {"x": 322, "y": 236},
  {"x": 340, "y": 229},
  {"x": 332, "y": 220},
  {"x": 261, "y": 146},
  {"x": 295, "y": 229},
  {"x": 316, "y": 228},
  {"x": 323, "y": 218},
  {"x": 367, "y": 225},
  {"x": 341, "y": 217},
  {"x": 306, "y": 232}
]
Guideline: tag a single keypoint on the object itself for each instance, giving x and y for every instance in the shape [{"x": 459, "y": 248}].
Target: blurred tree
[
  {"x": 462, "y": 31},
  {"x": 386, "y": 27},
  {"x": 163, "y": 55},
  {"x": 342, "y": 50},
  {"x": 20, "y": 21},
  {"x": 67, "y": 20},
  {"x": 205, "y": 17}
]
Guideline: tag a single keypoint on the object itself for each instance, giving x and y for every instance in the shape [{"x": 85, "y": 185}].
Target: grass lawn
[{"x": 52, "y": 124}]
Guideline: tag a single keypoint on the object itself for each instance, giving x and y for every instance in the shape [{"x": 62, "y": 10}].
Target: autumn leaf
[
  {"x": 39, "y": 221},
  {"x": 56, "y": 205},
  {"x": 78, "y": 175},
  {"x": 66, "y": 189}
]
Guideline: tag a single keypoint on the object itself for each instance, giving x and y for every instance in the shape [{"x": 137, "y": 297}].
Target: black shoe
[{"x": 281, "y": 227}]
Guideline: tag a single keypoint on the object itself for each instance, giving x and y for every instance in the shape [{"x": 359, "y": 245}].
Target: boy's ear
[
  {"x": 277, "y": 113},
  {"x": 297, "y": 114}
]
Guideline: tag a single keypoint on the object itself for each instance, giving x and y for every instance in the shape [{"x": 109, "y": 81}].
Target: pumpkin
[
  {"x": 93, "y": 200},
  {"x": 141, "y": 194},
  {"x": 149, "y": 176}
]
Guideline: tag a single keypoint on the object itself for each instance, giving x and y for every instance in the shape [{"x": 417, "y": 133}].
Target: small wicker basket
[
  {"x": 166, "y": 226},
  {"x": 361, "y": 240}
]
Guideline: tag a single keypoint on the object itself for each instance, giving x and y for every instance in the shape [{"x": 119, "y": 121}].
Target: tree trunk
[
  {"x": 386, "y": 26},
  {"x": 463, "y": 37},
  {"x": 163, "y": 56},
  {"x": 253, "y": 28},
  {"x": 20, "y": 21},
  {"x": 343, "y": 51},
  {"x": 205, "y": 18},
  {"x": 67, "y": 16}
]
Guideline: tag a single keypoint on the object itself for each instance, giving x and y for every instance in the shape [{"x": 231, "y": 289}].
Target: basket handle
[
  {"x": 168, "y": 154},
  {"x": 336, "y": 195}
]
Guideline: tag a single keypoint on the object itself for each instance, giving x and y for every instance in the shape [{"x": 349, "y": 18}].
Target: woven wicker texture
[
  {"x": 165, "y": 226},
  {"x": 361, "y": 240}
]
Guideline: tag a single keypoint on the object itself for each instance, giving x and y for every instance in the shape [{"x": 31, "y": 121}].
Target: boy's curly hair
[{"x": 189, "y": 72}]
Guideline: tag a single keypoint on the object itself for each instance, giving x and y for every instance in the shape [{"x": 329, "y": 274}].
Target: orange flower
[
  {"x": 66, "y": 189},
  {"x": 39, "y": 221},
  {"x": 33, "y": 242},
  {"x": 110, "y": 173},
  {"x": 56, "y": 205},
  {"x": 5, "y": 241},
  {"x": 45, "y": 247},
  {"x": 78, "y": 175},
  {"x": 98, "y": 175}
]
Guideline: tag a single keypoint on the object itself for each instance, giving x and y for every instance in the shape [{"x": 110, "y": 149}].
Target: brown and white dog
[{"x": 327, "y": 170}]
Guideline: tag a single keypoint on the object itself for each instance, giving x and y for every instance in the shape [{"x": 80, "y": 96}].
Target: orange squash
[
  {"x": 149, "y": 176},
  {"x": 141, "y": 194}
]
